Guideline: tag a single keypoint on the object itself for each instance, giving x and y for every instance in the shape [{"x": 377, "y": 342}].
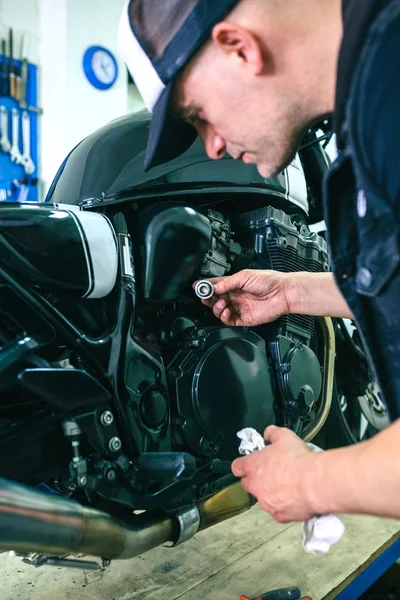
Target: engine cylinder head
[{"x": 204, "y": 289}]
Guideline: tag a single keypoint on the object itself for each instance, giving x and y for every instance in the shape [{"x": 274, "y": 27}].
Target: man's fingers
[
  {"x": 219, "y": 307},
  {"x": 231, "y": 319},
  {"x": 246, "y": 484},
  {"x": 210, "y": 301},
  {"x": 240, "y": 467},
  {"x": 272, "y": 434},
  {"x": 224, "y": 285}
]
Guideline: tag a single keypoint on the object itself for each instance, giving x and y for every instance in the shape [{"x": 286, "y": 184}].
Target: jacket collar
[{"x": 358, "y": 16}]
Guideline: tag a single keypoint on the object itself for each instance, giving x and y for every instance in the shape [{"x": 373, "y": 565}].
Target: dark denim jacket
[{"x": 364, "y": 232}]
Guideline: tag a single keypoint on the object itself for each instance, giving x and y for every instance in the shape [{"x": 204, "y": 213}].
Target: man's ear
[{"x": 239, "y": 43}]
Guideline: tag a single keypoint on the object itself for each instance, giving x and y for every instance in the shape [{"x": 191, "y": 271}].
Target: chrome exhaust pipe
[{"x": 32, "y": 521}]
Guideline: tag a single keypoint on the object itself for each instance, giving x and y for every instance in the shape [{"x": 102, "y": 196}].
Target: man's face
[{"x": 255, "y": 119}]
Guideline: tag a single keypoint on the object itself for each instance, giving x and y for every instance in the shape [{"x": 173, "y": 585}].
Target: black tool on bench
[{"x": 292, "y": 593}]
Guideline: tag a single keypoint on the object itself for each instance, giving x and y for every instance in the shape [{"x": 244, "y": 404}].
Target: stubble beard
[{"x": 277, "y": 156}]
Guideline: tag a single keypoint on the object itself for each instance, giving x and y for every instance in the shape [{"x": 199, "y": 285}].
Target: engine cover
[
  {"x": 299, "y": 375},
  {"x": 223, "y": 382}
]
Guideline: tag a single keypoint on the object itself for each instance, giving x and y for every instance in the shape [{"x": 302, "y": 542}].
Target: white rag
[{"x": 319, "y": 532}]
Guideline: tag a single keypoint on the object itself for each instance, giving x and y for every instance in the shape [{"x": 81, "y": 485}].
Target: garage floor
[{"x": 249, "y": 554}]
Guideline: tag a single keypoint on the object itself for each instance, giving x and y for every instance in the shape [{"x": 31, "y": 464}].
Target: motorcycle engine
[
  {"x": 222, "y": 379},
  {"x": 150, "y": 369}
]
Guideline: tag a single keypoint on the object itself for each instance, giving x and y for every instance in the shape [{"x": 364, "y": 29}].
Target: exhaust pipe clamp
[{"x": 189, "y": 524}]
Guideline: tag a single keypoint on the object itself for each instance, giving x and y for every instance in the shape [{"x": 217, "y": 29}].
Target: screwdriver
[
  {"x": 11, "y": 67},
  {"x": 18, "y": 73},
  {"x": 4, "y": 82},
  {"x": 292, "y": 593}
]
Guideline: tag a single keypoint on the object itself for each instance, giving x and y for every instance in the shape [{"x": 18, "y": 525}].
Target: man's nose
[{"x": 214, "y": 144}]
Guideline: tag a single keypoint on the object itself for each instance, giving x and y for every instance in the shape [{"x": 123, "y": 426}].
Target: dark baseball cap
[{"x": 157, "y": 40}]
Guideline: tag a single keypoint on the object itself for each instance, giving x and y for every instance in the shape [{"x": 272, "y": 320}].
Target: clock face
[
  {"x": 103, "y": 67},
  {"x": 100, "y": 67}
]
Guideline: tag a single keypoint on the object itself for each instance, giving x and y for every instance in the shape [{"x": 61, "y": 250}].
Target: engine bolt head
[
  {"x": 111, "y": 475},
  {"x": 208, "y": 446},
  {"x": 114, "y": 444},
  {"x": 204, "y": 289},
  {"x": 82, "y": 481},
  {"x": 107, "y": 418}
]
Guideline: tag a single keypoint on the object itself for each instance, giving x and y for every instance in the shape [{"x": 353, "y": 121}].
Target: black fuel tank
[{"x": 109, "y": 164}]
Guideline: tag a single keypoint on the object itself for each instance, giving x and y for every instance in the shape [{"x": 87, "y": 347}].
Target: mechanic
[{"x": 251, "y": 77}]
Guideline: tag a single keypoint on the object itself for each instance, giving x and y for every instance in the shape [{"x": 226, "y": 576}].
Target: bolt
[
  {"x": 107, "y": 418},
  {"x": 82, "y": 480},
  {"x": 111, "y": 475},
  {"x": 114, "y": 444},
  {"x": 201, "y": 332},
  {"x": 174, "y": 373},
  {"x": 269, "y": 360},
  {"x": 208, "y": 446}
]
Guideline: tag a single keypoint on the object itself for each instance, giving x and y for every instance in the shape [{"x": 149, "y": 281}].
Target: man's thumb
[
  {"x": 225, "y": 285},
  {"x": 272, "y": 434}
]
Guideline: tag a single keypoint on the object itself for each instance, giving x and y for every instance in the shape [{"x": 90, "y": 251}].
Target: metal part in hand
[
  {"x": 14, "y": 152},
  {"x": 204, "y": 289},
  {"x": 27, "y": 161},
  {"x": 4, "y": 141}
]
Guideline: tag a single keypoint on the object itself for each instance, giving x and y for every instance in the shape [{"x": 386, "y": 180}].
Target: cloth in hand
[{"x": 319, "y": 532}]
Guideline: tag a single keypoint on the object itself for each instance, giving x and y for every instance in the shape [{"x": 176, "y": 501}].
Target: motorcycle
[{"x": 121, "y": 394}]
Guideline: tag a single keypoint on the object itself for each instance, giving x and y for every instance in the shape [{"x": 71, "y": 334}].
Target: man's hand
[
  {"x": 276, "y": 475},
  {"x": 249, "y": 298}
]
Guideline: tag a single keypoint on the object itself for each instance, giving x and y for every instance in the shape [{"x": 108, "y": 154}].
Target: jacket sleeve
[{"x": 380, "y": 126}]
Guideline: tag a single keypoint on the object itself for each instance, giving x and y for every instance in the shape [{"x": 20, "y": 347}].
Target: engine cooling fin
[{"x": 290, "y": 247}]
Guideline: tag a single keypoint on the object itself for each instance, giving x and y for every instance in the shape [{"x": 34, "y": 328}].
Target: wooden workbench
[{"x": 247, "y": 555}]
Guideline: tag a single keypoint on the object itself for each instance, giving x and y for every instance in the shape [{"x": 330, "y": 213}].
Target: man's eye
[{"x": 195, "y": 118}]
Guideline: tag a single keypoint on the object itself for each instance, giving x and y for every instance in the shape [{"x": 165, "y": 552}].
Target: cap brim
[{"x": 168, "y": 137}]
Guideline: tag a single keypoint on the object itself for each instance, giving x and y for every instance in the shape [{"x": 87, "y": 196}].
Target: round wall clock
[{"x": 100, "y": 67}]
